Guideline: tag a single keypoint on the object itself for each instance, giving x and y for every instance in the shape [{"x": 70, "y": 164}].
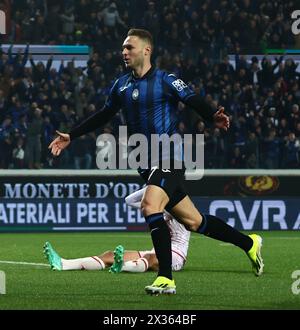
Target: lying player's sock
[
  {"x": 135, "y": 266},
  {"x": 134, "y": 199},
  {"x": 89, "y": 263},
  {"x": 216, "y": 228}
]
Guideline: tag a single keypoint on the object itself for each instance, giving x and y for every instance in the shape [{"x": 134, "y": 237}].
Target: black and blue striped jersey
[
  {"x": 149, "y": 103},
  {"x": 149, "y": 106}
]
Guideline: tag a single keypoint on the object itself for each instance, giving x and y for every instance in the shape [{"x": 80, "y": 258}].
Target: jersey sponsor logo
[
  {"x": 135, "y": 94},
  {"x": 179, "y": 84}
]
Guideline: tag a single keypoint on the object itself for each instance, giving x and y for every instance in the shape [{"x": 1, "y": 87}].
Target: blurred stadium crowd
[{"x": 192, "y": 39}]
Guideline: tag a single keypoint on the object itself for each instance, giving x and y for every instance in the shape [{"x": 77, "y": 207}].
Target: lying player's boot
[
  {"x": 53, "y": 258},
  {"x": 116, "y": 267},
  {"x": 162, "y": 285},
  {"x": 254, "y": 255}
]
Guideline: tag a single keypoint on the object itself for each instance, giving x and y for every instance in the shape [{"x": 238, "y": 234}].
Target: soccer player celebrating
[
  {"x": 149, "y": 97},
  {"x": 128, "y": 261}
]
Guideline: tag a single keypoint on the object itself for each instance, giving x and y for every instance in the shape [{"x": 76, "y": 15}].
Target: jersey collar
[{"x": 146, "y": 75}]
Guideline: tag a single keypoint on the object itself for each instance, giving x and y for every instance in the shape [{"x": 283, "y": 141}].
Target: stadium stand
[{"x": 194, "y": 40}]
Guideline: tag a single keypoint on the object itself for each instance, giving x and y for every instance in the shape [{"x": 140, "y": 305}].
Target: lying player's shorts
[
  {"x": 170, "y": 180},
  {"x": 178, "y": 260}
]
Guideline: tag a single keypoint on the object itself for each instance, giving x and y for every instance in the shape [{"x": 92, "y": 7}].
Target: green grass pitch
[{"x": 216, "y": 276}]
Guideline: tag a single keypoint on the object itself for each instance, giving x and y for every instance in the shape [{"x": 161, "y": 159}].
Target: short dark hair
[{"x": 142, "y": 34}]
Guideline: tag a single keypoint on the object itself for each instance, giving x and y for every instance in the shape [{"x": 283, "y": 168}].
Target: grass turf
[{"x": 216, "y": 276}]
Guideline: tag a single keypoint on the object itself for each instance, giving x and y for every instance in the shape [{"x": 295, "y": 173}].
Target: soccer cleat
[
  {"x": 116, "y": 267},
  {"x": 53, "y": 258},
  {"x": 254, "y": 255},
  {"x": 162, "y": 285}
]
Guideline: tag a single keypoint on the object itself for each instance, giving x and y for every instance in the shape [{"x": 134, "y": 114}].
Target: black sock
[
  {"x": 161, "y": 240},
  {"x": 216, "y": 228}
]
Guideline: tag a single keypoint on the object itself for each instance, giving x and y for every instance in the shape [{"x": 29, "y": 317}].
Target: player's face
[{"x": 134, "y": 50}]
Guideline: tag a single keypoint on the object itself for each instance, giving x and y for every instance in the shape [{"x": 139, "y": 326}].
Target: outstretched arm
[
  {"x": 90, "y": 124},
  {"x": 93, "y": 122},
  {"x": 182, "y": 92},
  {"x": 221, "y": 119},
  {"x": 203, "y": 109},
  {"x": 59, "y": 143}
]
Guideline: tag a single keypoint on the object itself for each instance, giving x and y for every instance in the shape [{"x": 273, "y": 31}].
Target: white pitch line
[{"x": 23, "y": 263}]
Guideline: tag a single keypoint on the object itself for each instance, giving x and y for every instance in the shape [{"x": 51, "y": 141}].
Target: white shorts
[{"x": 178, "y": 260}]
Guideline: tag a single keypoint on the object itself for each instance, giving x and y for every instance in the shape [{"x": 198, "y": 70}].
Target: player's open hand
[
  {"x": 59, "y": 143},
  {"x": 221, "y": 119}
]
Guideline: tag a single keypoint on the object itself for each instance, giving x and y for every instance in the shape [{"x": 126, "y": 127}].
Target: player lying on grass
[{"x": 128, "y": 261}]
